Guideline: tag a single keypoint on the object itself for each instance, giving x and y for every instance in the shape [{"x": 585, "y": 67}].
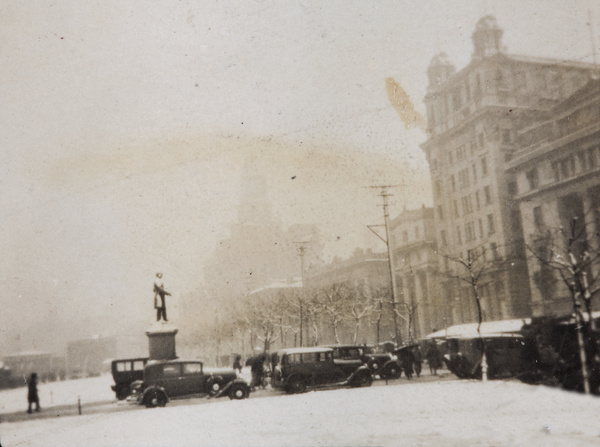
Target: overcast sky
[{"x": 125, "y": 126}]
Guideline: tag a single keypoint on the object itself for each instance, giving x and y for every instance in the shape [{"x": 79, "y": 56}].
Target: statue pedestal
[{"x": 161, "y": 341}]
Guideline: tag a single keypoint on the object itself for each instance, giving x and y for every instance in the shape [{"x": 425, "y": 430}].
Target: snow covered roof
[
  {"x": 488, "y": 328},
  {"x": 304, "y": 350}
]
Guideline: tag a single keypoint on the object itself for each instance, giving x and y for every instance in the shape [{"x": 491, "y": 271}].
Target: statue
[{"x": 159, "y": 290}]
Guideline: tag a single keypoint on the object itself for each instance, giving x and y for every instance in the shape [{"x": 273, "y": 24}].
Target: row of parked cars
[{"x": 294, "y": 370}]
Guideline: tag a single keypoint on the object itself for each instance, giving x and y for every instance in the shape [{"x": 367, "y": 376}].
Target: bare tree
[
  {"x": 570, "y": 254},
  {"x": 334, "y": 301},
  {"x": 361, "y": 306},
  {"x": 470, "y": 272},
  {"x": 380, "y": 297}
]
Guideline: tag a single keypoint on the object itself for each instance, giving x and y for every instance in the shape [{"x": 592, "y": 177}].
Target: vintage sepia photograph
[{"x": 300, "y": 223}]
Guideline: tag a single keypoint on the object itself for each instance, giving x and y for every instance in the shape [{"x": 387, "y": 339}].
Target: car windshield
[
  {"x": 347, "y": 354},
  {"x": 123, "y": 366},
  {"x": 172, "y": 370},
  {"x": 306, "y": 357},
  {"x": 192, "y": 368}
]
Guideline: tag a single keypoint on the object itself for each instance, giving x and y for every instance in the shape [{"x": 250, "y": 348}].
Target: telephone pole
[
  {"x": 302, "y": 252},
  {"x": 388, "y": 241}
]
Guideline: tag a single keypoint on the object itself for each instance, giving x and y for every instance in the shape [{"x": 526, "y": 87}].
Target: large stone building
[
  {"x": 557, "y": 170},
  {"x": 473, "y": 117},
  {"x": 416, "y": 267}
]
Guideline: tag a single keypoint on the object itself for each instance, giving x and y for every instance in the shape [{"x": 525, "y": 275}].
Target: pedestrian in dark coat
[
  {"x": 434, "y": 358},
  {"x": 32, "y": 393},
  {"x": 417, "y": 359},
  {"x": 257, "y": 368},
  {"x": 237, "y": 363}
]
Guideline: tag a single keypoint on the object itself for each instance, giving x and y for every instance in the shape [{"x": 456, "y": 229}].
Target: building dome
[
  {"x": 487, "y": 37},
  {"x": 439, "y": 70}
]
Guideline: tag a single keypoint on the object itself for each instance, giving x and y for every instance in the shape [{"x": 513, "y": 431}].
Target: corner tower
[{"x": 487, "y": 38}]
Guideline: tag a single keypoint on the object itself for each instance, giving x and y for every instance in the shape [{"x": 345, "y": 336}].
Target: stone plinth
[{"x": 161, "y": 341}]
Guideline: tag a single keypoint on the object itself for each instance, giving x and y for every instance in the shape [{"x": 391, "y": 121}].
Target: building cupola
[
  {"x": 440, "y": 70},
  {"x": 487, "y": 37}
]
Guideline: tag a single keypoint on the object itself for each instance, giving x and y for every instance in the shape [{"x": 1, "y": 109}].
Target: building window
[
  {"x": 499, "y": 286},
  {"x": 484, "y": 166},
  {"x": 494, "y": 250},
  {"x": 456, "y": 98},
  {"x": 443, "y": 237},
  {"x": 456, "y": 213},
  {"x": 463, "y": 178},
  {"x": 538, "y": 217},
  {"x": 488, "y": 195},
  {"x": 593, "y": 157},
  {"x": 491, "y": 226},
  {"x": 567, "y": 167},
  {"x": 477, "y": 203},
  {"x": 467, "y": 205},
  {"x": 501, "y": 80},
  {"x": 478, "y": 85},
  {"x": 461, "y": 153},
  {"x": 458, "y": 236},
  {"x": 480, "y": 140},
  {"x": 472, "y": 147},
  {"x": 520, "y": 80},
  {"x": 451, "y": 157},
  {"x": 416, "y": 232},
  {"x": 474, "y": 172},
  {"x": 480, "y": 228},
  {"x": 440, "y": 210},
  {"x": 453, "y": 183},
  {"x": 469, "y": 231},
  {"x": 438, "y": 188},
  {"x": 532, "y": 178}
]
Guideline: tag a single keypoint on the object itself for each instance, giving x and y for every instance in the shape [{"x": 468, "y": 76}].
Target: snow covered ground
[
  {"x": 417, "y": 413},
  {"x": 94, "y": 389}
]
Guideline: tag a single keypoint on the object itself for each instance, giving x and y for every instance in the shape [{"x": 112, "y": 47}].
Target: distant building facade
[
  {"x": 87, "y": 357},
  {"x": 473, "y": 118},
  {"x": 416, "y": 266},
  {"x": 557, "y": 170},
  {"x": 48, "y": 366}
]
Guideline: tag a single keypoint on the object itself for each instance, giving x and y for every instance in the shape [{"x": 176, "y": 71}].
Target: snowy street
[{"x": 421, "y": 412}]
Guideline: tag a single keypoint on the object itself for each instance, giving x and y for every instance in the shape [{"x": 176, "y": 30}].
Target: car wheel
[
  {"x": 296, "y": 386},
  {"x": 238, "y": 392},
  {"x": 122, "y": 391},
  {"x": 214, "y": 387},
  {"x": 374, "y": 366},
  {"x": 392, "y": 372},
  {"x": 155, "y": 399},
  {"x": 364, "y": 379}
]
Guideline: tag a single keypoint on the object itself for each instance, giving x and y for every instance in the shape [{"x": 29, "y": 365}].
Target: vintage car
[
  {"x": 125, "y": 372},
  {"x": 168, "y": 379},
  {"x": 382, "y": 365},
  {"x": 300, "y": 369}
]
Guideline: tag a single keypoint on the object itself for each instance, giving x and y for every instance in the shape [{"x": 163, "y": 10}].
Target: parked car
[
  {"x": 383, "y": 365},
  {"x": 125, "y": 372},
  {"x": 300, "y": 369},
  {"x": 168, "y": 379}
]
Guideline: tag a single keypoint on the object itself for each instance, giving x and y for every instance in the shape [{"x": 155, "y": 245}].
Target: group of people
[{"x": 411, "y": 359}]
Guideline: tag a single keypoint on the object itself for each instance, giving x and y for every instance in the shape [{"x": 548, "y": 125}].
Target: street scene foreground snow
[{"x": 444, "y": 413}]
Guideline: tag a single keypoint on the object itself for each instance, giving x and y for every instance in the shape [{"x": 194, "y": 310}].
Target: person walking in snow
[
  {"x": 237, "y": 363},
  {"x": 159, "y": 291},
  {"x": 417, "y": 360},
  {"x": 32, "y": 393}
]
